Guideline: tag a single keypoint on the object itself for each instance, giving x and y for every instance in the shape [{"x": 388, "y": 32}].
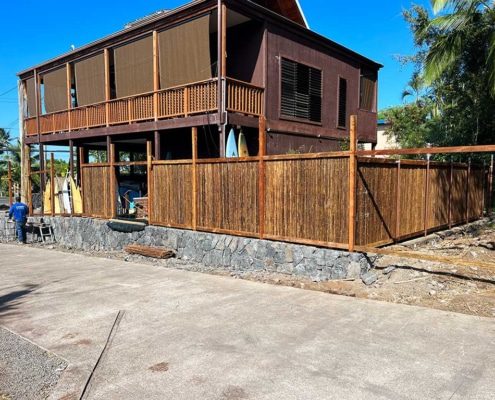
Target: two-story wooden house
[{"x": 209, "y": 67}]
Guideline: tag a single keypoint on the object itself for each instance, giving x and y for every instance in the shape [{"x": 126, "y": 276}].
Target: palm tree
[{"x": 454, "y": 20}]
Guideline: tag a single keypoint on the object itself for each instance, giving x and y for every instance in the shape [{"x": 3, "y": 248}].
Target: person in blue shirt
[{"x": 19, "y": 212}]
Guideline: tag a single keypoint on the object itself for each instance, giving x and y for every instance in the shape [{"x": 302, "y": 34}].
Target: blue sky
[{"x": 34, "y": 31}]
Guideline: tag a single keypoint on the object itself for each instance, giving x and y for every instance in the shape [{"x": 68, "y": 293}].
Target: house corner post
[
  {"x": 52, "y": 183},
  {"x": 352, "y": 183}
]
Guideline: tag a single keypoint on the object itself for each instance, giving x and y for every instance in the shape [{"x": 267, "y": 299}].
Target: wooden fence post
[
  {"x": 397, "y": 204},
  {"x": 451, "y": 182},
  {"x": 490, "y": 187},
  {"x": 149, "y": 159},
  {"x": 9, "y": 181},
  {"x": 29, "y": 189},
  {"x": 194, "y": 139},
  {"x": 111, "y": 163},
  {"x": 81, "y": 181},
  {"x": 52, "y": 183},
  {"x": 427, "y": 195},
  {"x": 261, "y": 176},
  {"x": 468, "y": 181},
  {"x": 352, "y": 183}
]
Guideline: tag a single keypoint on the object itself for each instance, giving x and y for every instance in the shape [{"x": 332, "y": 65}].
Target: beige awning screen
[
  {"x": 55, "y": 90},
  {"x": 185, "y": 53},
  {"x": 134, "y": 67},
  {"x": 90, "y": 80},
  {"x": 31, "y": 97}
]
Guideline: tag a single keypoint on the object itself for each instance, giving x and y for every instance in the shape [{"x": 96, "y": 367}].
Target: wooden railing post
[
  {"x": 129, "y": 110},
  {"x": 490, "y": 187},
  {"x": 9, "y": 182},
  {"x": 194, "y": 138},
  {"x": 352, "y": 183},
  {"x": 52, "y": 183},
  {"x": 261, "y": 175},
  {"x": 186, "y": 101},
  {"x": 156, "y": 75},
  {"x": 106, "y": 55}
]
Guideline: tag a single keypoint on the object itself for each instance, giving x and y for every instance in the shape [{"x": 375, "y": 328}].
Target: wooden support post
[
  {"x": 69, "y": 95},
  {"x": 42, "y": 161},
  {"x": 158, "y": 152},
  {"x": 71, "y": 158},
  {"x": 37, "y": 100},
  {"x": 106, "y": 55},
  {"x": 149, "y": 158},
  {"x": 222, "y": 72},
  {"x": 52, "y": 182},
  {"x": 111, "y": 163},
  {"x": 451, "y": 183},
  {"x": 490, "y": 187},
  {"x": 352, "y": 183},
  {"x": 156, "y": 75},
  {"x": 29, "y": 189},
  {"x": 468, "y": 181},
  {"x": 427, "y": 196},
  {"x": 397, "y": 203},
  {"x": 9, "y": 182},
  {"x": 261, "y": 176},
  {"x": 194, "y": 138}
]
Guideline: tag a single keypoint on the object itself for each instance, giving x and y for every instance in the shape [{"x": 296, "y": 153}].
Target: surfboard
[
  {"x": 65, "y": 196},
  {"x": 76, "y": 197},
  {"x": 57, "y": 198},
  {"x": 231, "y": 149},
  {"x": 243, "y": 149},
  {"x": 47, "y": 204}
]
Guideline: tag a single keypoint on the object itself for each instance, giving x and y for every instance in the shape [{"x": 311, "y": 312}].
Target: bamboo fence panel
[
  {"x": 412, "y": 199},
  {"x": 376, "y": 209},
  {"x": 172, "y": 196},
  {"x": 438, "y": 196},
  {"x": 228, "y": 196},
  {"x": 96, "y": 191},
  {"x": 307, "y": 199},
  {"x": 458, "y": 199},
  {"x": 476, "y": 193}
]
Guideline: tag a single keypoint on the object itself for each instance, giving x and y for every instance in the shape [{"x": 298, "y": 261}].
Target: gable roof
[{"x": 290, "y": 9}]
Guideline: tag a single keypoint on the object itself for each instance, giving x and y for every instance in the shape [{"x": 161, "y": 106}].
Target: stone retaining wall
[{"x": 222, "y": 251}]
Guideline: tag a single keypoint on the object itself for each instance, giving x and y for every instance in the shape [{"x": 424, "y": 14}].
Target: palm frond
[
  {"x": 442, "y": 55},
  {"x": 490, "y": 63}
]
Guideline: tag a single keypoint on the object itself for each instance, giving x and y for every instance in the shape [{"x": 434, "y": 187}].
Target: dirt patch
[{"x": 160, "y": 367}]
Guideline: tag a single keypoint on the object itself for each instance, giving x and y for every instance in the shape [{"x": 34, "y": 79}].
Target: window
[
  {"x": 367, "y": 93},
  {"x": 301, "y": 91},
  {"x": 342, "y": 112}
]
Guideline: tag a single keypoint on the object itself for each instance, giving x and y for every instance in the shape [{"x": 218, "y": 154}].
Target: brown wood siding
[
  {"x": 96, "y": 191},
  {"x": 284, "y": 44}
]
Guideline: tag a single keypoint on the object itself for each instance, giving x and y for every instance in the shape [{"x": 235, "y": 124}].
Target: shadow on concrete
[{"x": 10, "y": 301}]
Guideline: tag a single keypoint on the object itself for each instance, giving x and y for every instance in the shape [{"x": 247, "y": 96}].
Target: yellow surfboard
[
  {"x": 76, "y": 197},
  {"x": 47, "y": 204},
  {"x": 242, "y": 146}
]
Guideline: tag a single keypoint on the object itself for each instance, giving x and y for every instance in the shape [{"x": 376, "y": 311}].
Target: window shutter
[
  {"x": 301, "y": 91},
  {"x": 342, "y": 122}
]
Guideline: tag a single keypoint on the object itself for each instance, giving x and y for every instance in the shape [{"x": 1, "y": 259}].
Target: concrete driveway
[{"x": 193, "y": 336}]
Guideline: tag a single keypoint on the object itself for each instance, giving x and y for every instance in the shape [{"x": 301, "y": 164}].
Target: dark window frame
[{"x": 305, "y": 103}]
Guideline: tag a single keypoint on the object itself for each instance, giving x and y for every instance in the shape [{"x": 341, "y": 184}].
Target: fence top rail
[
  {"x": 489, "y": 148},
  {"x": 440, "y": 164}
]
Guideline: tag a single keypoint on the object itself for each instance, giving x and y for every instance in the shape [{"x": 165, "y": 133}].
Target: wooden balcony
[{"x": 177, "y": 102}]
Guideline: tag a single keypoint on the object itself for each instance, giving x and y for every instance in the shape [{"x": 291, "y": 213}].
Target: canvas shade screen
[
  {"x": 134, "y": 67},
  {"x": 185, "y": 53},
  {"x": 31, "y": 97},
  {"x": 55, "y": 85},
  {"x": 90, "y": 80},
  {"x": 367, "y": 99}
]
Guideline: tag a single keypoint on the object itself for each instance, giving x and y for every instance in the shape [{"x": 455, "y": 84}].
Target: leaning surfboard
[
  {"x": 47, "y": 203},
  {"x": 231, "y": 149},
  {"x": 65, "y": 196},
  {"x": 243, "y": 148},
  {"x": 76, "y": 197}
]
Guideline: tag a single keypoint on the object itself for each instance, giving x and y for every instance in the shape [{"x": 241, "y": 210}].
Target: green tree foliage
[{"x": 453, "y": 86}]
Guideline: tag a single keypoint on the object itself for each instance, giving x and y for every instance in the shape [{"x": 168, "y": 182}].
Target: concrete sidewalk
[{"x": 193, "y": 336}]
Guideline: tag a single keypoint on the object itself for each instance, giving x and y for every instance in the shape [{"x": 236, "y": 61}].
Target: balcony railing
[{"x": 182, "y": 101}]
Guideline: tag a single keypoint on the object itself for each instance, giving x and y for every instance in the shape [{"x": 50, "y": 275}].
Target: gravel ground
[{"x": 27, "y": 372}]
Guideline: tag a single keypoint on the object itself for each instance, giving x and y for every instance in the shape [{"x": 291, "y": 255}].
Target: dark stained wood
[
  {"x": 261, "y": 177},
  {"x": 352, "y": 182},
  {"x": 194, "y": 189}
]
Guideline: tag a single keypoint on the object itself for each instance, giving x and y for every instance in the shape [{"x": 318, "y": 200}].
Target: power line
[{"x": 8, "y": 91}]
